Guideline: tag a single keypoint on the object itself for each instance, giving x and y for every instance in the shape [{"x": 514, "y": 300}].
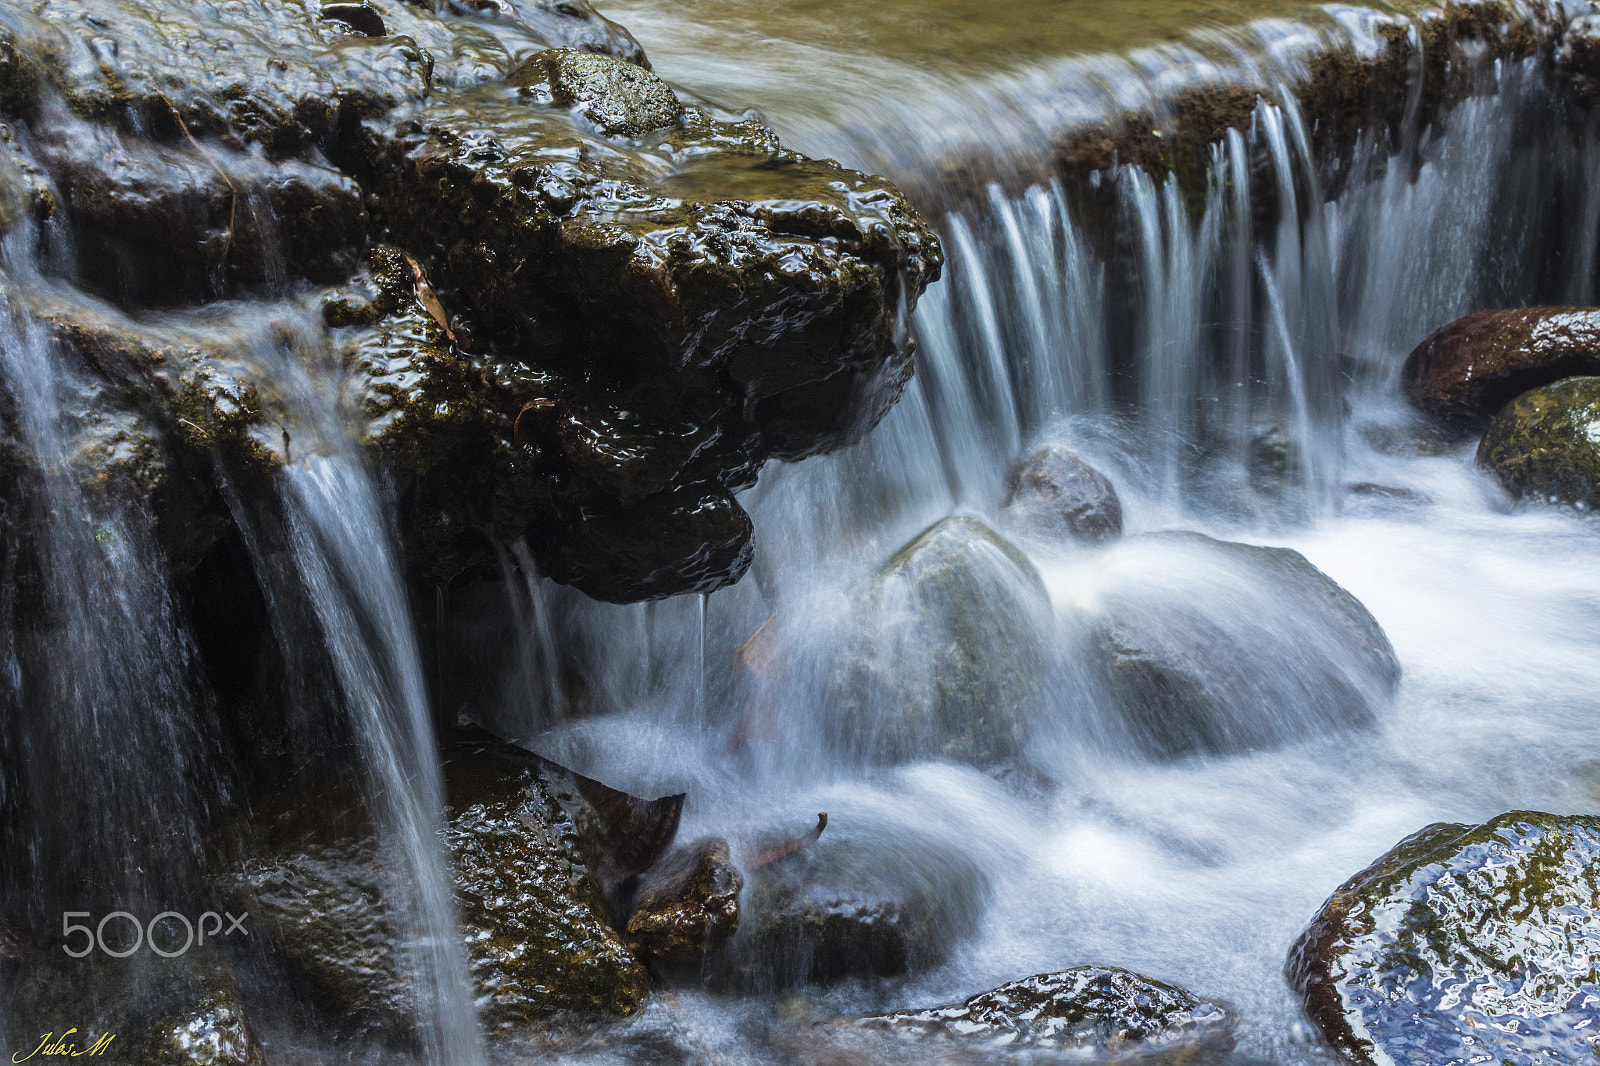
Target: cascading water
[
  {"x": 1232, "y": 367},
  {"x": 109, "y": 735},
  {"x": 340, "y": 560},
  {"x": 1222, "y": 340}
]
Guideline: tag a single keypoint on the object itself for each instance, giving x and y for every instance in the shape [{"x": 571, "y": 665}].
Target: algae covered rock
[
  {"x": 1054, "y": 493},
  {"x": 1545, "y": 444},
  {"x": 1462, "y": 944},
  {"x": 948, "y": 650},
  {"x": 1087, "y": 1010},
  {"x": 1469, "y": 369},
  {"x": 686, "y": 905},
  {"x": 869, "y": 898},
  {"x": 1207, "y": 646}
]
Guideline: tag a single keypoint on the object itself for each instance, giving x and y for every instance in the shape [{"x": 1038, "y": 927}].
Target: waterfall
[
  {"x": 341, "y": 566},
  {"x": 98, "y": 707}
]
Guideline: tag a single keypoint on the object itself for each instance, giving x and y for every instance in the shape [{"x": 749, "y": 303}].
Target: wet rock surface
[
  {"x": 1208, "y": 646},
  {"x": 1053, "y": 493},
  {"x": 533, "y": 912},
  {"x": 948, "y": 650},
  {"x": 1545, "y": 444},
  {"x": 1462, "y": 944},
  {"x": 632, "y": 304},
  {"x": 1578, "y": 56},
  {"x": 1469, "y": 369},
  {"x": 867, "y": 899},
  {"x": 1087, "y": 1010},
  {"x": 182, "y": 1011},
  {"x": 686, "y": 906}
]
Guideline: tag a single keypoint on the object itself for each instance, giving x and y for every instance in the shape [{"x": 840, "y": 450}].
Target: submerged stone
[
  {"x": 1053, "y": 493},
  {"x": 866, "y": 899},
  {"x": 1545, "y": 444},
  {"x": 1211, "y": 647},
  {"x": 1462, "y": 944},
  {"x": 1471, "y": 368},
  {"x": 1087, "y": 1010},
  {"x": 948, "y": 651}
]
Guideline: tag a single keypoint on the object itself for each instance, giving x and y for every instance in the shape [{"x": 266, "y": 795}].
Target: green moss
[{"x": 1545, "y": 444}]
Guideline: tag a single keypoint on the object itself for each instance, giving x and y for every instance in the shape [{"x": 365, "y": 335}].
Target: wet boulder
[
  {"x": 533, "y": 913},
  {"x": 659, "y": 342},
  {"x": 947, "y": 651},
  {"x": 1462, "y": 944},
  {"x": 686, "y": 906},
  {"x": 1545, "y": 444},
  {"x": 868, "y": 898},
  {"x": 181, "y": 1011},
  {"x": 1087, "y": 1010},
  {"x": 1053, "y": 493},
  {"x": 638, "y": 303},
  {"x": 1211, "y": 647},
  {"x": 1469, "y": 369},
  {"x": 158, "y": 224}
]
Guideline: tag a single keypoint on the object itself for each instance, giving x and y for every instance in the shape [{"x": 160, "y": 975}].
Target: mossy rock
[
  {"x": 619, "y": 98},
  {"x": 1462, "y": 944},
  {"x": 533, "y": 915},
  {"x": 1545, "y": 444}
]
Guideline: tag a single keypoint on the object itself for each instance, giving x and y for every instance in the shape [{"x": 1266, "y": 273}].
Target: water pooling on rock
[{"x": 575, "y": 309}]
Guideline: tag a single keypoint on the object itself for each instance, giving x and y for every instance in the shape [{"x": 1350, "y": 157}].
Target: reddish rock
[{"x": 1468, "y": 370}]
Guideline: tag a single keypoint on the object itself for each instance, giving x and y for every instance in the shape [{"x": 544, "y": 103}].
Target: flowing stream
[
  {"x": 1227, "y": 354},
  {"x": 1234, "y": 373}
]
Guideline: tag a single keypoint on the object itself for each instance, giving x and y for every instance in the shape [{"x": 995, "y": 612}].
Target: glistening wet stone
[
  {"x": 1545, "y": 444},
  {"x": 1084, "y": 1011},
  {"x": 1463, "y": 944}
]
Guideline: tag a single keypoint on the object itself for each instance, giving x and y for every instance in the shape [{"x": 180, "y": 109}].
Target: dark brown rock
[
  {"x": 1053, "y": 493},
  {"x": 1462, "y": 944},
  {"x": 1468, "y": 370},
  {"x": 687, "y": 904}
]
